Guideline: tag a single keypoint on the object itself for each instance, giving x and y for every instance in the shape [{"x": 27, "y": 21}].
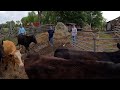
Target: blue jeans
[
  {"x": 51, "y": 41},
  {"x": 74, "y": 39}
]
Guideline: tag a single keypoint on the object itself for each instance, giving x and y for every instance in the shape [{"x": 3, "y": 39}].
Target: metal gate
[{"x": 93, "y": 41}]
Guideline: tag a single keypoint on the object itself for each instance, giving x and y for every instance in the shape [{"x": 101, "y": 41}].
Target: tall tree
[
  {"x": 31, "y": 16},
  {"x": 81, "y": 17},
  {"x": 94, "y": 18},
  {"x": 49, "y": 17},
  {"x": 39, "y": 15},
  {"x": 78, "y": 17},
  {"x": 24, "y": 20},
  {"x": 18, "y": 22}
]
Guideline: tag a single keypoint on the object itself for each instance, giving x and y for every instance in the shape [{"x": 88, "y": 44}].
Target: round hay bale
[
  {"x": 61, "y": 31},
  {"x": 42, "y": 38},
  {"x": 87, "y": 28}
]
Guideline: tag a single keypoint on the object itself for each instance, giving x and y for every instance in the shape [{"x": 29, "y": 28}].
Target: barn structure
[{"x": 113, "y": 25}]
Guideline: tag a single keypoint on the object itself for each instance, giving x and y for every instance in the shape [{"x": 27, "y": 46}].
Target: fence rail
[
  {"x": 94, "y": 45},
  {"x": 107, "y": 38}
]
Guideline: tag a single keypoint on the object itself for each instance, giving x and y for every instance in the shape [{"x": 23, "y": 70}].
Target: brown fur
[
  {"x": 44, "y": 67},
  {"x": 10, "y": 50}
]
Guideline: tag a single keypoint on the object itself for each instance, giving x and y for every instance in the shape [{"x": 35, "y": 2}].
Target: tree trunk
[{"x": 39, "y": 16}]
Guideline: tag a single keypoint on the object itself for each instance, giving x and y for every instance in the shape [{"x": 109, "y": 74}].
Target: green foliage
[
  {"x": 81, "y": 17},
  {"x": 49, "y": 17},
  {"x": 78, "y": 17},
  {"x": 5, "y": 30},
  {"x": 36, "y": 18},
  {"x": 24, "y": 20},
  {"x": 4, "y": 25},
  {"x": 7, "y": 24},
  {"x": 32, "y": 17},
  {"x": 93, "y": 18},
  {"x": 17, "y": 23}
]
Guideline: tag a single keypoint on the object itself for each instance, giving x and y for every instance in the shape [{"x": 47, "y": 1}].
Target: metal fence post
[{"x": 94, "y": 42}]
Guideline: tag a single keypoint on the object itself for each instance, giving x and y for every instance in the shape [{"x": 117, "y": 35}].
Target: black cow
[
  {"x": 2, "y": 53},
  {"x": 26, "y": 40},
  {"x": 87, "y": 55},
  {"x": 118, "y": 45}
]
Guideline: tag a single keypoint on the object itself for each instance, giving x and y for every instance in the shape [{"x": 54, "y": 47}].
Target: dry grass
[
  {"x": 42, "y": 38},
  {"x": 59, "y": 39}
]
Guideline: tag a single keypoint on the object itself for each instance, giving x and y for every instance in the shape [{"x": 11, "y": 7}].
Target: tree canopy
[{"x": 93, "y": 18}]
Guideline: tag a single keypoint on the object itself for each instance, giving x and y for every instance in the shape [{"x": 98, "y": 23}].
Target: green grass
[
  {"x": 105, "y": 36},
  {"x": 103, "y": 42},
  {"x": 11, "y": 39},
  {"x": 5, "y": 30}
]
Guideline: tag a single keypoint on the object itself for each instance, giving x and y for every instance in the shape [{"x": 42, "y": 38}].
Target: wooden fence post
[{"x": 94, "y": 42}]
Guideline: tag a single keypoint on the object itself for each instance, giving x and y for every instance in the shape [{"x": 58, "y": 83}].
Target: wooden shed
[{"x": 113, "y": 25}]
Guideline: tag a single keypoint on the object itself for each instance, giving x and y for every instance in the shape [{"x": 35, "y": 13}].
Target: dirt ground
[{"x": 43, "y": 48}]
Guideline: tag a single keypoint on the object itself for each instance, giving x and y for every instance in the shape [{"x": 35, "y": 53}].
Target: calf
[
  {"x": 87, "y": 55},
  {"x": 11, "y": 51},
  {"x": 44, "y": 67},
  {"x": 26, "y": 40}
]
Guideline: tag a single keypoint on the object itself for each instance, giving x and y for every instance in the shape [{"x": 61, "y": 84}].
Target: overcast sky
[
  {"x": 12, "y": 15},
  {"x": 17, "y": 15},
  {"x": 109, "y": 15}
]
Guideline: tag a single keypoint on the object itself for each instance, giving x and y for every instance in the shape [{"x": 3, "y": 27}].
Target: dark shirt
[{"x": 51, "y": 32}]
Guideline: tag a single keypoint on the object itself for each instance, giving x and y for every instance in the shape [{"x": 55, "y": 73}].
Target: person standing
[
  {"x": 22, "y": 30},
  {"x": 74, "y": 34},
  {"x": 51, "y": 33},
  {"x": 21, "y": 33}
]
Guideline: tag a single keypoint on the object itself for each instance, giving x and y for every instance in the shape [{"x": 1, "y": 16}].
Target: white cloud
[
  {"x": 12, "y": 15},
  {"x": 2, "y": 11},
  {"x": 110, "y": 15}
]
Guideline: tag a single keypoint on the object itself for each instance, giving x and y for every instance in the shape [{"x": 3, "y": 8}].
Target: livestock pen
[
  {"x": 86, "y": 41},
  {"x": 96, "y": 41}
]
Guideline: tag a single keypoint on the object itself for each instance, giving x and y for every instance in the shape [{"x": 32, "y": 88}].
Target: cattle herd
[{"x": 65, "y": 64}]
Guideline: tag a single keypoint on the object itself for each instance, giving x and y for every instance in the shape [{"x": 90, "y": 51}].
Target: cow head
[
  {"x": 18, "y": 57},
  {"x": 118, "y": 45}
]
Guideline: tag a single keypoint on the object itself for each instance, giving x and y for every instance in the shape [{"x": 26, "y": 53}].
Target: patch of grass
[
  {"x": 5, "y": 30},
  {"x": 108, "y": 44},
  {"x": 105, "y": 36},
  {"x": 10, "y": 38}
]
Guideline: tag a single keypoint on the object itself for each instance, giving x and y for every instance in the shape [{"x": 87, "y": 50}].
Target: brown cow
[
  {"x": 12, "y": 53},
  {"x": 44, "y": 67}
]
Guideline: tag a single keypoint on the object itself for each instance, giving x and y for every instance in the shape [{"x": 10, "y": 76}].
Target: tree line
[{"x": 93, "y": 18}]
